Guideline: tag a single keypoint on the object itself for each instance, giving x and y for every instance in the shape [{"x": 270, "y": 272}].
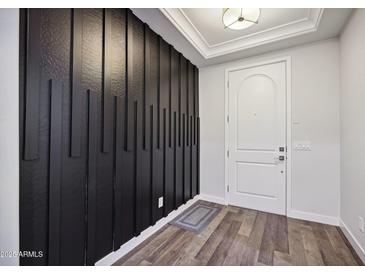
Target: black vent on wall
[{"x": 109, "y": 123}]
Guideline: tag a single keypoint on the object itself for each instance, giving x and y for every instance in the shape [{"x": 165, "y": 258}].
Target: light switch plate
[
  {"x": 302, "y": 146},
  {"x": 160, "y": 202}
]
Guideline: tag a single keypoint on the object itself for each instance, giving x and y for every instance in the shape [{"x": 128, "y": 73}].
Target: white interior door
[{"x": 257, "y": 138}]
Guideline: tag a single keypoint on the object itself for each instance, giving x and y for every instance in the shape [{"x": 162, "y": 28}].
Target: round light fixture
[{"x": 238, "y": 18}]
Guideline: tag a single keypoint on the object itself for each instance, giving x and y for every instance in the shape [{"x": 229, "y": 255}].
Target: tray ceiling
[
  {"x": 205, "y": 30},
  {"x": 199, "y": 33}
]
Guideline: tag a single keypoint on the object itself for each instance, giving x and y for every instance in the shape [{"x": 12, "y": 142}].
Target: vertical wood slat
[
  {"x": 130, "y": 79},
  {"x": 92, "y": 177},
  {"x": 153, "y": 169},
  {"x": 187, "y": 103},
  {"x": 76, "y": 82},
  {"x": 164, "y": 84},
  {"x": 135, "y": 166},
  {"x": 146, "y": 91},
  {"x": 198, "y": 156},
  {"x": 119, "y": 125},
  {"x": 179, "y": 102},
  {"x": 164, "y": 146},
  {"x": 183, "y": 156},
  {"x": 151, "y": 162},
  {"x": 170, "y": 99},
  {"x": 107, "y": 70},
  {"x": 55, "y": 172},
  {"x": 191, "y": 161},
  {"x": 32, "y": 85},
  {"x": 158, "y": 93},
  {"x": 175, "y": 161}
]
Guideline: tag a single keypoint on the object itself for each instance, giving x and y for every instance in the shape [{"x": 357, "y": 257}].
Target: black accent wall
[{"x": 109, "y": 122}]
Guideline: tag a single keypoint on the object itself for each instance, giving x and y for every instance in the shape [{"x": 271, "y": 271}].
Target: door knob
[{"x": 281, "y": 158}]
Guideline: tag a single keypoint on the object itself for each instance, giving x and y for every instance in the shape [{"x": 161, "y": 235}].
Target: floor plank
[
  {"x": 221, "y": 251},
  {"x": 296, "y": 246},
  {"x": 210, "y": 245},
  {"x": 327, "y": 251},
  {"x": 312, "y": 252},
  {"x": 266, "y": 253},
  {"x": 254, "y": 241}
]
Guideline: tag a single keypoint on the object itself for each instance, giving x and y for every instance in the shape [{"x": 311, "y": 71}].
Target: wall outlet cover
[{"x": 160, "y": 202}]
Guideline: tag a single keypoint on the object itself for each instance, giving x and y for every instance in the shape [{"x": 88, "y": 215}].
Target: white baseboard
[
  {"x": 296, "y": 214},
  {"x": 134, "y": 242},
  {"x": 308, "y": 216},
  {"x": 213, "y": 199},
  {"x": 353, "y": 241}
]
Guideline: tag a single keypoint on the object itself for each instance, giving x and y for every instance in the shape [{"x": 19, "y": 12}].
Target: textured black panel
[
  {"x": 198, "y": 157},
  {"x": 137, "y": 118},
  {"x": 33, "y": 216},
  {"x": 187, "y": 165},
  {"x": 119, "y": 144},
  {"x": 174, "y": 90},
  {"x": 169, "y": 184},
  {"x": 92, "y": 177},
  {"x": 107, "y": 74},
  {"x": 31, "y": 142},
  {"x": 196, "y": 91},
  {"x": 147, "y": 81},
  {"x": 184, "y": 156},
  {"x": 118, "y": 85},
  {"x": 146, "y": 174},
  {"x": 164, "y": 83},
  {"x": 77, "y": 18},
  {"x": 193, "y": 161},
  {"x": 56, "y": 44},
  {"x": 55, "y": 173},
  {"x": 183, "y": 91},
  {"x": 141, "y": 110},
  {"x": 179, "y": 184},
  {"x": 196, "y": 154},
  {"x": 135, "y": 56}
]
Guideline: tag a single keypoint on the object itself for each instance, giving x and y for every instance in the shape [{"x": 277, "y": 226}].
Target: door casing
[{"x": 287, "y": 61}]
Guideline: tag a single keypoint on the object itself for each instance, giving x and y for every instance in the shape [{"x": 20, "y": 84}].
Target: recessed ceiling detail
[{"x": 203, "y": 28}]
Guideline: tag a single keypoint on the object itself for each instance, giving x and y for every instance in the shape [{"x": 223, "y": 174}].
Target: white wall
[
  {"x": 9, "y": 132},
  {"x": 315, "y": 114},
  {"x": 352, "y": 44}
]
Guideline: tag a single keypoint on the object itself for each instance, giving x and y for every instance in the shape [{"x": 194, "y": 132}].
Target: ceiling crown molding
[{"x": 291, "y": 29}]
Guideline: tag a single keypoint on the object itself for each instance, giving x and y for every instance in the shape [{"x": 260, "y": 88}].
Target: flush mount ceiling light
[{"x": 239, "y": 18}]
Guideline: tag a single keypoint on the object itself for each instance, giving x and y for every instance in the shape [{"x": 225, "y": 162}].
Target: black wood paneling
[
  {"x": 77, "y": 30},
  {"x": 115, "y": 129},
  {"x": 32, "y": 79},
  {"x": 107, "y": 75},
  {"x": 92, "y": 176},
  {"x": 55, "y": 172}
]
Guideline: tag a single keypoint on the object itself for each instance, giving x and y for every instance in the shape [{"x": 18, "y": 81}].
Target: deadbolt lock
[{"x": 281, "y": 149}]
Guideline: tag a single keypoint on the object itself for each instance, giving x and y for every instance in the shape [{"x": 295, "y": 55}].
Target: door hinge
[
  {"x": 228, "y": 153},
  {"x": 227, "y": 84},
  {"x": 227, "y": 118},
  {"x": 228, "y": 188}
]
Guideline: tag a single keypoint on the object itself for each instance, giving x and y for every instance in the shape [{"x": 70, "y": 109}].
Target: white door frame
[{"x": 287, "y": 61}]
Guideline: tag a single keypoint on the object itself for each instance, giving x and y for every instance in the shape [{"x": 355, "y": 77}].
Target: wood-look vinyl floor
[{"x": 238, "y": 236}]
